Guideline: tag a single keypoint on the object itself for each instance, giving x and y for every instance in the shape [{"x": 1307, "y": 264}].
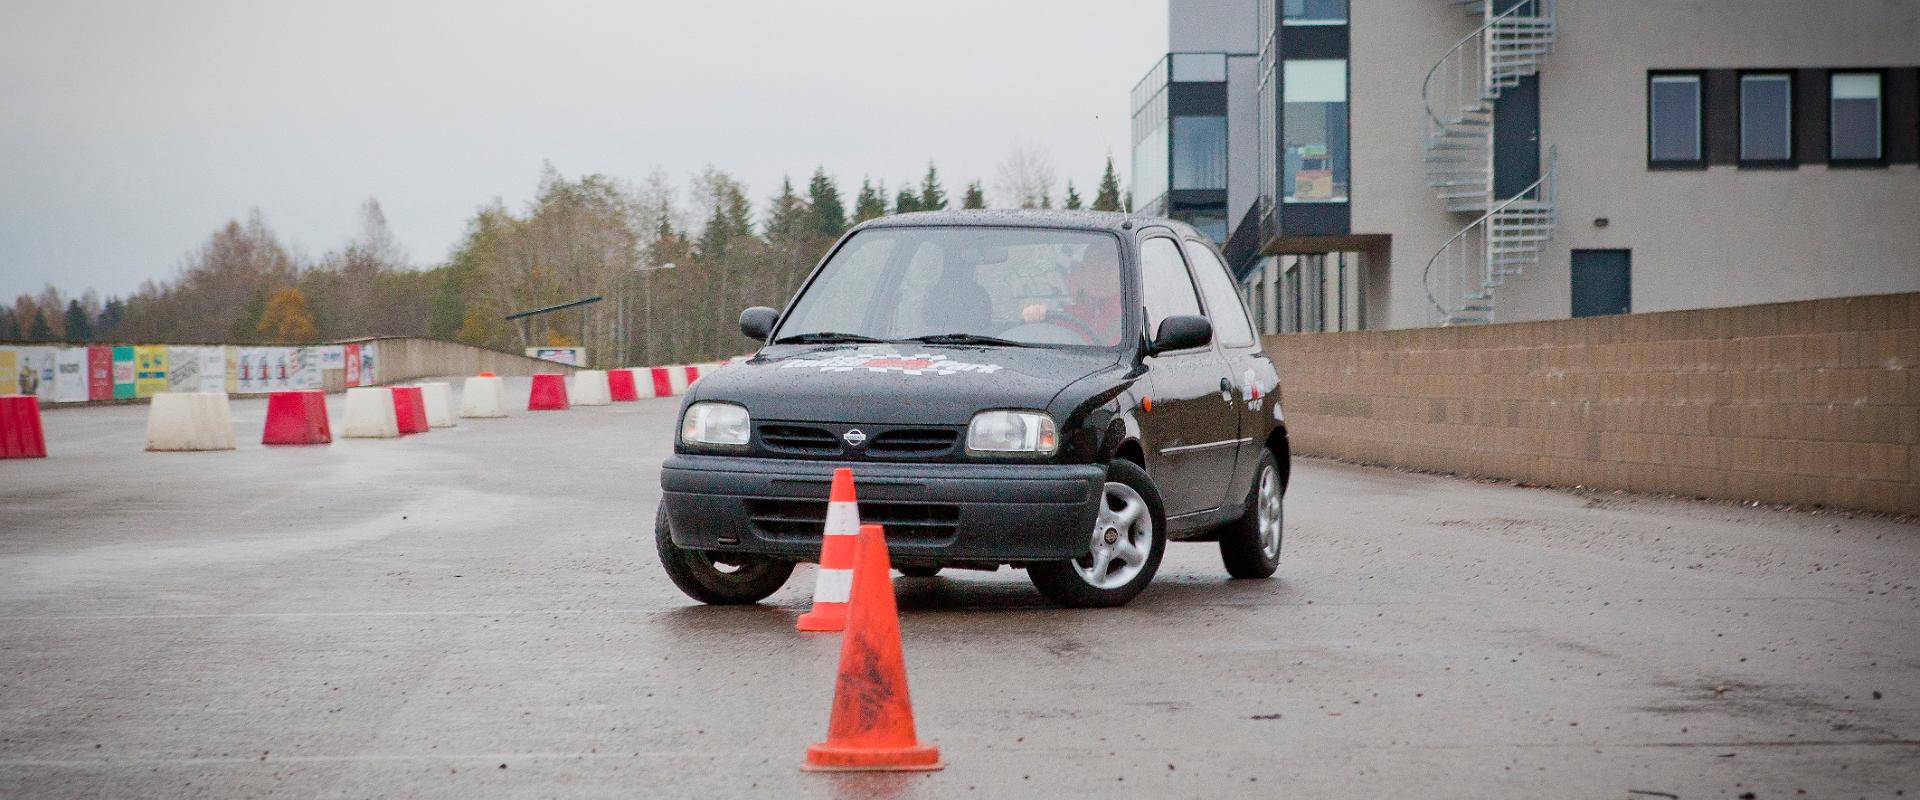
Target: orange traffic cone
[
  {"x": 836, "y": 558},
  {"x": 872, "y": 724}
]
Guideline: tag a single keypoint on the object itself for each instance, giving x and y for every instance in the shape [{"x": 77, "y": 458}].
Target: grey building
[{"x": 1400, "y": 163}]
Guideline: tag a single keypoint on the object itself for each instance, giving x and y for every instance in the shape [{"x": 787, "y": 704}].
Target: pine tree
[
  {"x": 870, "y": 203},
  {"x": 975, "y": 196},
  {"x": 37, "y": 330},
  {"x": 111, "y": 314},
  {"x": 826, "y": 214},
  {"x": 78, "y": 329},
  {"x": 906, "y": 201},
  {"x": 932, "y": 196},
  {"x": 1108, "y": 197},
  {"x": 1073, "y": 197},
  {"x": 8, "y": 330}
]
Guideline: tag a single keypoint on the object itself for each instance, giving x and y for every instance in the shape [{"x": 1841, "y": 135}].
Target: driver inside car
[{"x": 1092, "y": 310}]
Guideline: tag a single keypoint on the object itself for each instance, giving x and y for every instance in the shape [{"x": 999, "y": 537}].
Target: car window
[
  {"x": 1029, "y": 285},
  {"x": 1223, "y": 303},
  {"x": 1165, "y": 282}
]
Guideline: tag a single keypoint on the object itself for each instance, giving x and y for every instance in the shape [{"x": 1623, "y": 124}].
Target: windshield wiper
[
  {"x": 966, "y": 338},
  {"x": 827, "y": 337}
]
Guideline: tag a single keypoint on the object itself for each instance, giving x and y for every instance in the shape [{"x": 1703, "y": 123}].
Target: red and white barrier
[
  {"x": 20, "y": 433},
  {"x": 670, "y": 381}
]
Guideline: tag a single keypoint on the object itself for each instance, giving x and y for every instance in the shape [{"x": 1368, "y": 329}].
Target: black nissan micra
[{"x": 1063, "y": 392}]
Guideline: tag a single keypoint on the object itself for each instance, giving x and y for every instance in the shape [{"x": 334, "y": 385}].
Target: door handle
[{"x": 1226, "y": 390}]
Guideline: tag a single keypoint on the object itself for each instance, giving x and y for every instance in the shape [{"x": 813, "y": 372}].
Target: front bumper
[{"x": 932, "y": 512}]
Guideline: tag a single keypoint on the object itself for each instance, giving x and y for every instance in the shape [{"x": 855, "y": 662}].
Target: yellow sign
[
  {"x": 149, "y": 370},
  {"x": 9, "y": 372}
]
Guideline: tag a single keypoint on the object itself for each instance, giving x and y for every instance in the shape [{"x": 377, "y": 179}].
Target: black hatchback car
[{"x": 1063, "y": 392}]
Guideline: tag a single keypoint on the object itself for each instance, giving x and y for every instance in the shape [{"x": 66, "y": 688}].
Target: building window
[
  {"x": 1673, "y": 120},
  {"x": 1314, "y": 122},
  {"x": 1199, "y": 152},
  {"x": 1313, "y": 12},
  {"x": 1199, "y": 67},
  {"x": 1150, "y": 140},
  {"x": 1766, "y": 118},
  {"x": 1213, "y": 223},
  {"x": 1856, "y": 116}
]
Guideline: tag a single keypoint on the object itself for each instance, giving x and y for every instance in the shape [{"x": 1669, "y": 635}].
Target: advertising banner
[
  {"x": 370, "y": 364},
  {"x": 125, "y": 373},
  {"x": 33, "y": 372},
  {"x": 332, "y": 356},
  {"x": 183, "y": 369},
  {"x": 577, "y": 356},
  {"x": 99, "y": 373},
  {"x": 350, "y": 356},
  {"x": 149, "y": 370},
  {"x": 9, "y": 370},
  {"x": 230, "y": 358},
  {"x": 70, "y": 375},
  {"x": 213, "y": 369}
]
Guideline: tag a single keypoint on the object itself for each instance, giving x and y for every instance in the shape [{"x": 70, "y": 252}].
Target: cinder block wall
[{"x": 1807, "y": 402}]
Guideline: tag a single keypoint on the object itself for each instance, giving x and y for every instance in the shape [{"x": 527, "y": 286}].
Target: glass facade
[
  {"x": 1200, "y": 152},
  {"x": 1314, "y": 12},
  {"x": 1314, "y": 122},
  {"x": 1149, "y": 188}
]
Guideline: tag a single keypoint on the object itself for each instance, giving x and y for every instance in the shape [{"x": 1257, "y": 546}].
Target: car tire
[
  {"x": 699, "y": 575},
  {"x": 919, "y": 572},
  {"x": 1132, "y": 512},
  {"x": 1250, "y": 546}
]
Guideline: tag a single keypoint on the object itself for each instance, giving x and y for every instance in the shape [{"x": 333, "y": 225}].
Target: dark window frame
[
  {"x": 1885, "y": 134},
  {"x": 1700, "y": 119},
  {"x": 1792, "y": 161}
]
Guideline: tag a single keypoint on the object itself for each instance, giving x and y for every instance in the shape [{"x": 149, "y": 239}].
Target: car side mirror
[
  {"x": 1181, "y": 332},
  {"x": 757, "y": 322}
]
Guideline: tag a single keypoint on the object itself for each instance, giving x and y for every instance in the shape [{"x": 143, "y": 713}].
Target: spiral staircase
[{"x": 1460, "y": 92}]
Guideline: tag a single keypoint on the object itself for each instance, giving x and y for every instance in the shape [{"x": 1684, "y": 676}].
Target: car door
[
  {"x": 1190, "y": 433},
  {"x": 1249, "y": 371}
]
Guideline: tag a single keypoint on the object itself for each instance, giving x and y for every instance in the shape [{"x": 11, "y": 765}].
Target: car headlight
[
  {"x": 710, "y": 423},
  {"x": 1011, "y": 432}
]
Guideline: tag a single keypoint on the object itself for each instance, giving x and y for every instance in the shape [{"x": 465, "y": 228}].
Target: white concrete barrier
[
  {"x": 483, "y": 397},
  {"x": 438, "y": 397},
  {"x": 590, "y": 388},
  {"x": 370, "y": 414},
  {"x": 189, "y": 421}
]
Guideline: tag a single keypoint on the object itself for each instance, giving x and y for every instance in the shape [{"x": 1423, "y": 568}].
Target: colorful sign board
[
  {"x": 149, "y": 370},
  {"x": 576, "y": 356}
]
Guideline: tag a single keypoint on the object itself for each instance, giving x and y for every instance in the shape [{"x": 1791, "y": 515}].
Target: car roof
[{"x": 1025, "y": 218}]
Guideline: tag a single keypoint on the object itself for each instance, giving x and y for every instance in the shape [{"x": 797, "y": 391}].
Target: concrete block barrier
[
  {"x": 590, "y": 388},
  {"x": 187, "y": 421},
  {"x": 548, "y": 393},
  {"x": 410, "y": 410},
  {"x": 298, "y": 417},
  {"x": 620, "y": 386},
  {"x": 484, "y": 397},
  {"x": 20, "y": 433},
  {"x": 370, "y": 414},
  {"x": 437, "y": 397}
]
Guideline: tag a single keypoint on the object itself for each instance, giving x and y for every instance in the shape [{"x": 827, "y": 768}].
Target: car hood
[{"x": 896, "y": 384}]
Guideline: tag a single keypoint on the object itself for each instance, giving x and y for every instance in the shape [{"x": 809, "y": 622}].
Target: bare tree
[{"x": 1025, "y": 176}]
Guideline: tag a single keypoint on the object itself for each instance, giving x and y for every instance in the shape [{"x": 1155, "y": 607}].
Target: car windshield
[{"x": 965, "y": 285}]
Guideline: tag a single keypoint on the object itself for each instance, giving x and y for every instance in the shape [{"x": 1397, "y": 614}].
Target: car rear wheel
[
  {"x": 720, "y": 579},
  {"x": 1124, "y": 550},
  {"x": 1251, "y": 546}
]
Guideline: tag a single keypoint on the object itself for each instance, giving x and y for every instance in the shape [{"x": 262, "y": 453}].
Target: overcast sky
[{"x": 129, "y": 131}]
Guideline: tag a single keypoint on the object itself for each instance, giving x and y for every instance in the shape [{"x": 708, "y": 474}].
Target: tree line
[{"x": 673, "y": 265}]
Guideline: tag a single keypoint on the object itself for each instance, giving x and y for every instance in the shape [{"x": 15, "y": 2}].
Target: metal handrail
[
  {"x": 1544, "y": 183},
  {"x": 1426, "y": 86}
]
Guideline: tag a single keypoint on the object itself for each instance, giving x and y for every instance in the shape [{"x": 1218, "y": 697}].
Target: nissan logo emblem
[{"x": 854, "y": 438}]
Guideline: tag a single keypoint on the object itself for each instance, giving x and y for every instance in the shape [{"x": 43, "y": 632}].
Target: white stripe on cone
[
  {"x": 843, "y": 519},
  {"x": 834, "y": 586}
]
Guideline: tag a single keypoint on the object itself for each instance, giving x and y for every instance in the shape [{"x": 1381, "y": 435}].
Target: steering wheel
[{"x": 1053, "y": 331}]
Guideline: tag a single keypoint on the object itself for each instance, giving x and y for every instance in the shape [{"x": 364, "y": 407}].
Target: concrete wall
[
  {"x": 1699, "y": 238},
  {"x": 1807, "y": 402},
  {"x": 406, "y": 359}
]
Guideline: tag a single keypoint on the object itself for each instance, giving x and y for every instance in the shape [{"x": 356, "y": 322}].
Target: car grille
[
  {"x": 783, "y": 518},
  {"x": 799, "y": 439},
  {"x": 882, "y": 441}
]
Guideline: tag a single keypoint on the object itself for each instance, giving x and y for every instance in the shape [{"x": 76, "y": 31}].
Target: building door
[
  {"x": 1516, "y": 138},
  {"x": 1602, "y": 282}
]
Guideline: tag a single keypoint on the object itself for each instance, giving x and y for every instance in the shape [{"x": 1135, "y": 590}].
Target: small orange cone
[
  {"x": 831, "y": 589},
  {"x": 872, "y": 724}
]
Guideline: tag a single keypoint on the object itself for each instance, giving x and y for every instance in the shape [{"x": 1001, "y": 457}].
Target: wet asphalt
[{"x": 478, "y": 612}]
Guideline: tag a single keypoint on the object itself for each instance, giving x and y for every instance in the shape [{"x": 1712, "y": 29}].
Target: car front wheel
[
  {"x": 720, "y": 579},
  {"x": 1125, "y": 546}
]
